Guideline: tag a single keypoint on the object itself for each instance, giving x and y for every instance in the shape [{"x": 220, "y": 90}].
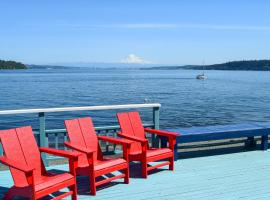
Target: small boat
[{"x": 201, "y": 76}]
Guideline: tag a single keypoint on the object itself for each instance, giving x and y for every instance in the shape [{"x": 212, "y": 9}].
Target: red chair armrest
[
  {"x": 134, "y": 138},
  {"x": 89, "y": 153},
  {"x": 79, "y": 148},
  {"x": 62, "y": 153},
  {"x": 124, "y": 142},
  {"x": 16, "y": 165},
  {"x": 72, "y": 156},
  {"x": 120, "y": 141},
  {"x": 170, "y": 135},
  {"x": 162, "y": 133}
]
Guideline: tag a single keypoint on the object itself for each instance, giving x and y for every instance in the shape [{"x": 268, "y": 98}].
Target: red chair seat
[
  {"x": 155, "y": 152},
  {"x": 151, "y": 154},
  {"x": 108, "y": 163},
  {"x": 46, "y": 182},
  {"x": 105, "y": 163}
]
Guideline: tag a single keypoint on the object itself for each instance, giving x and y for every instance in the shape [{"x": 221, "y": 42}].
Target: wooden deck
[{"x": 244, "y": 175}]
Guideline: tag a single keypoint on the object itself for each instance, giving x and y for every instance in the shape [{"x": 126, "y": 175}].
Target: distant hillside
[
  {"x": 98, "y": 65},
  {"x": 251, "y": 65},
  {"x": 11, "y": 65},
  {"x": 90, "y": 66}
]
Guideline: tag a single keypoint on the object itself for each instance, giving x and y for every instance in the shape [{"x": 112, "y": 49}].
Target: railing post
[
  {"x": 42, "y": 135},
  {"x": 155, "y": 138}
]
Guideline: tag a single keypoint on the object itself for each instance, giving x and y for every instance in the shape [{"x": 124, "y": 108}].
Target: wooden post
[
  {"x": 155, "y": 139},
  {"x": 42, "y": 135},
  {"x": 250, "y": 142},
  {"x": 163, "y": 141},
  {"x": 175, "y": 151},
  {"x": 264, "y": 144}
]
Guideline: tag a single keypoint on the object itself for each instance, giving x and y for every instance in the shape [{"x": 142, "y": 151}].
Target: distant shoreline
[{"x": 251, "y": 65}]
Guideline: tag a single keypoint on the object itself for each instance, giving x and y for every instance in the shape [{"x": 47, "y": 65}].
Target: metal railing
[{"x": 42, "y": 134}]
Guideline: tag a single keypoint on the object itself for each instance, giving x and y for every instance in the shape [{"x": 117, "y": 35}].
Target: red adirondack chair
[
  {"x": 132, "y": 128},
  {"x": 83, "y": 139},
  {"x": 22, "y": 156}
]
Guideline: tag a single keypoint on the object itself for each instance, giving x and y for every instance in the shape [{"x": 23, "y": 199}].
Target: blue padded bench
[{"x": 220, "y": 132}]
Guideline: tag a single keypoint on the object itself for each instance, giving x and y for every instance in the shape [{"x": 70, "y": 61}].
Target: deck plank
[{"x": 244, "y": 176}]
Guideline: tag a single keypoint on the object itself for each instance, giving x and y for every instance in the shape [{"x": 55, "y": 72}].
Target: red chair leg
[
  {"x": 126, "y": 171},
  {"x": 144, "y": 169},
  {"x": 73, "y": 188},
  {"x": 93, "y": 189},
  {"x": 171, "y": 166}
]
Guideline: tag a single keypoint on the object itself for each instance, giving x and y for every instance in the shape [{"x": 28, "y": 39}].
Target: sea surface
[{"x": 227, "y": 97}]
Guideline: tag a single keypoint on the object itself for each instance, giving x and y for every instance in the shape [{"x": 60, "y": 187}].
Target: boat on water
[{"x": 201, "y": 76}]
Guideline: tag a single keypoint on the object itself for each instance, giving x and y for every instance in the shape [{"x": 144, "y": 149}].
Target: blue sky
[{"x": 156, "y": 31}]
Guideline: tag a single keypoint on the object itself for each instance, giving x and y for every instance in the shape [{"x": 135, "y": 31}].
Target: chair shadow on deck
[
  {"x": 3, "y": 191},
  {"x": 83, "y": 184},
  {"x": 135, "y": 172}
]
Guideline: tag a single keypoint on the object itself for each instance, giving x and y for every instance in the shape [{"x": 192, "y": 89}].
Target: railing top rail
[{"x": 83, "y": 108}]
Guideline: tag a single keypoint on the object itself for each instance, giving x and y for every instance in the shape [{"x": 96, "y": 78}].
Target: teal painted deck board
[{"x": 244, "y": 176}]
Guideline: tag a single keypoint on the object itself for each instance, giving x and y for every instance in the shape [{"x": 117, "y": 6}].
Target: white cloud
[{"x": 133, "y": 59}]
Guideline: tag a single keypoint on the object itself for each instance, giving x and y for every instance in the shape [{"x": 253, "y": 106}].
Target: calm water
[{"x": 226, "y": 97}]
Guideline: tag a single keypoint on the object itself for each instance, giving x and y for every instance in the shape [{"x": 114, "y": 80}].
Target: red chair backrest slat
[
  {"x": 82, "y": 133},
  {"x": 131, "y": 124},
  {"x": 20, "y": 145}
]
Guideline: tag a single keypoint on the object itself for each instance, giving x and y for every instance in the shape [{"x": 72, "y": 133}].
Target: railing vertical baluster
[
  {"x": 114, "y": 134},
  {"x": 56, "y": 140},
  {"x": 155, "y": 139},
  {"x": 107, "y": 143},
  {"x": 65, "y": 139},
  {"x": 1, "y": 150},
  {"x": 42, "y": 135}
]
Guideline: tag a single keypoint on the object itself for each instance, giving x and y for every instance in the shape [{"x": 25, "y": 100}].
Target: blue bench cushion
[{"x": 195, "y": 134}]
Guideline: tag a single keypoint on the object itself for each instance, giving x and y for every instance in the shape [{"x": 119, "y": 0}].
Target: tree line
[{"x": 11, "y": 65}]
